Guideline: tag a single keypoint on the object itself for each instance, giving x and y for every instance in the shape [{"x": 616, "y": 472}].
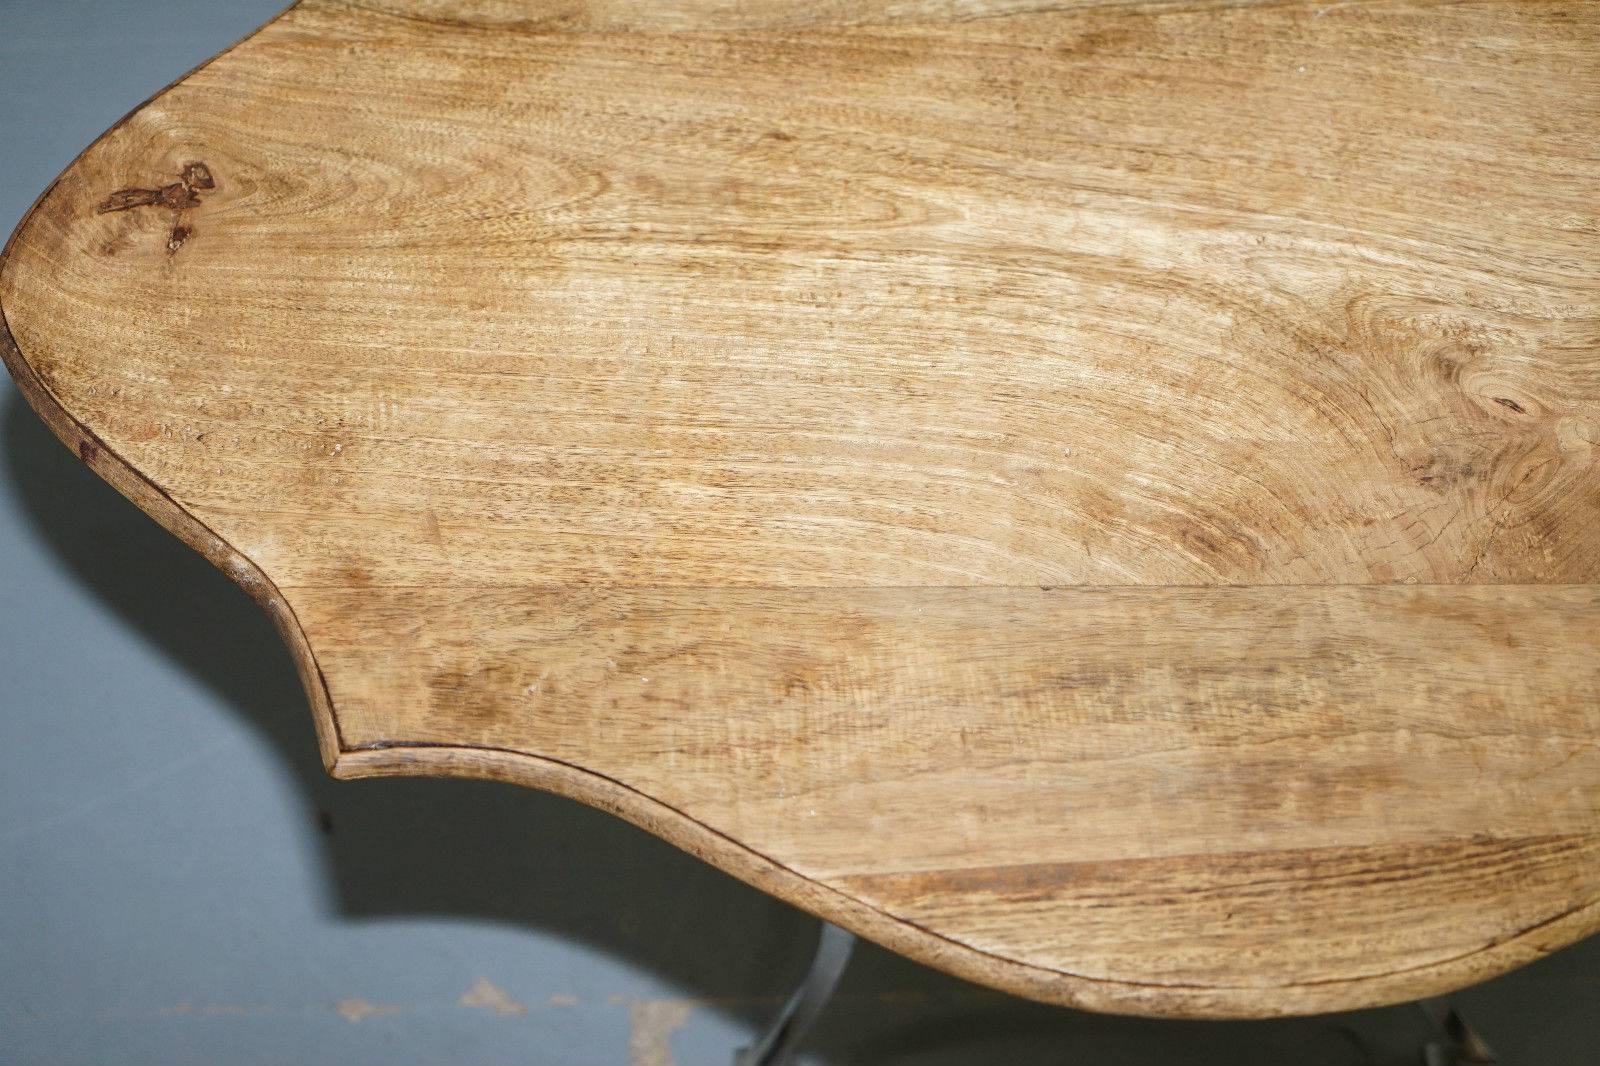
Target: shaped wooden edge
[{"x": 399, "y": 759}]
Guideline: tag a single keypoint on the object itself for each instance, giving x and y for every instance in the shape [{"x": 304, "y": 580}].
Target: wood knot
[
  {"x": 185, "y": 192},
  {"x": 175, "y": 196},
  {"x": 198, "y": 176}
]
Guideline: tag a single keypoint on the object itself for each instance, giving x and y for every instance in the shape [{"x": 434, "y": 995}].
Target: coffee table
[{"x": 1101, "y": 498}]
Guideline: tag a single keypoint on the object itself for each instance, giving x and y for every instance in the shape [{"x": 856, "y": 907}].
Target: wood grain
[{"x": 1099, "y": 497}]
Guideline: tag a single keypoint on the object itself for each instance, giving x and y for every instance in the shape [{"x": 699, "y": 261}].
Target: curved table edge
[{"x": 1030, "y": 981}]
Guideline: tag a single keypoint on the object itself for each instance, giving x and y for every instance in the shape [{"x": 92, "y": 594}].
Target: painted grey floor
[{"x": 179, "y": 883}]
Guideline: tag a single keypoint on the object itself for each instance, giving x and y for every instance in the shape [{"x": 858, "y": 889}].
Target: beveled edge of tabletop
[{"x": 401, "y": 759}]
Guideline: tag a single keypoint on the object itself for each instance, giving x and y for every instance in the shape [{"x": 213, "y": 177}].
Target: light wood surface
[{"x": 1100, "y": 497}]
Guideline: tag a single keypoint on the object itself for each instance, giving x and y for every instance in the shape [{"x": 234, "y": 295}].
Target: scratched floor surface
[{"x": 179, "y": 883}]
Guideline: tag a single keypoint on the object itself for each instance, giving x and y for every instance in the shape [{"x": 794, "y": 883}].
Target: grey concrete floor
[{"x": 180, "y": 883}]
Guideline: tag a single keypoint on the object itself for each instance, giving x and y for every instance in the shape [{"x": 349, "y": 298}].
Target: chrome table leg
[
  {"x": 776, "y": 1046},
  {"x": 1459, "y": 1044}
]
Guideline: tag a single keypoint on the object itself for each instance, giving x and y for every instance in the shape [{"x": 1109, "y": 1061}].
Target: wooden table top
[{"x": 1103, "y": 498}]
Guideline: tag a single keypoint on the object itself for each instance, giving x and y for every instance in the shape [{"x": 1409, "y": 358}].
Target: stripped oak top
[{"x": 1101, "y": 497}]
